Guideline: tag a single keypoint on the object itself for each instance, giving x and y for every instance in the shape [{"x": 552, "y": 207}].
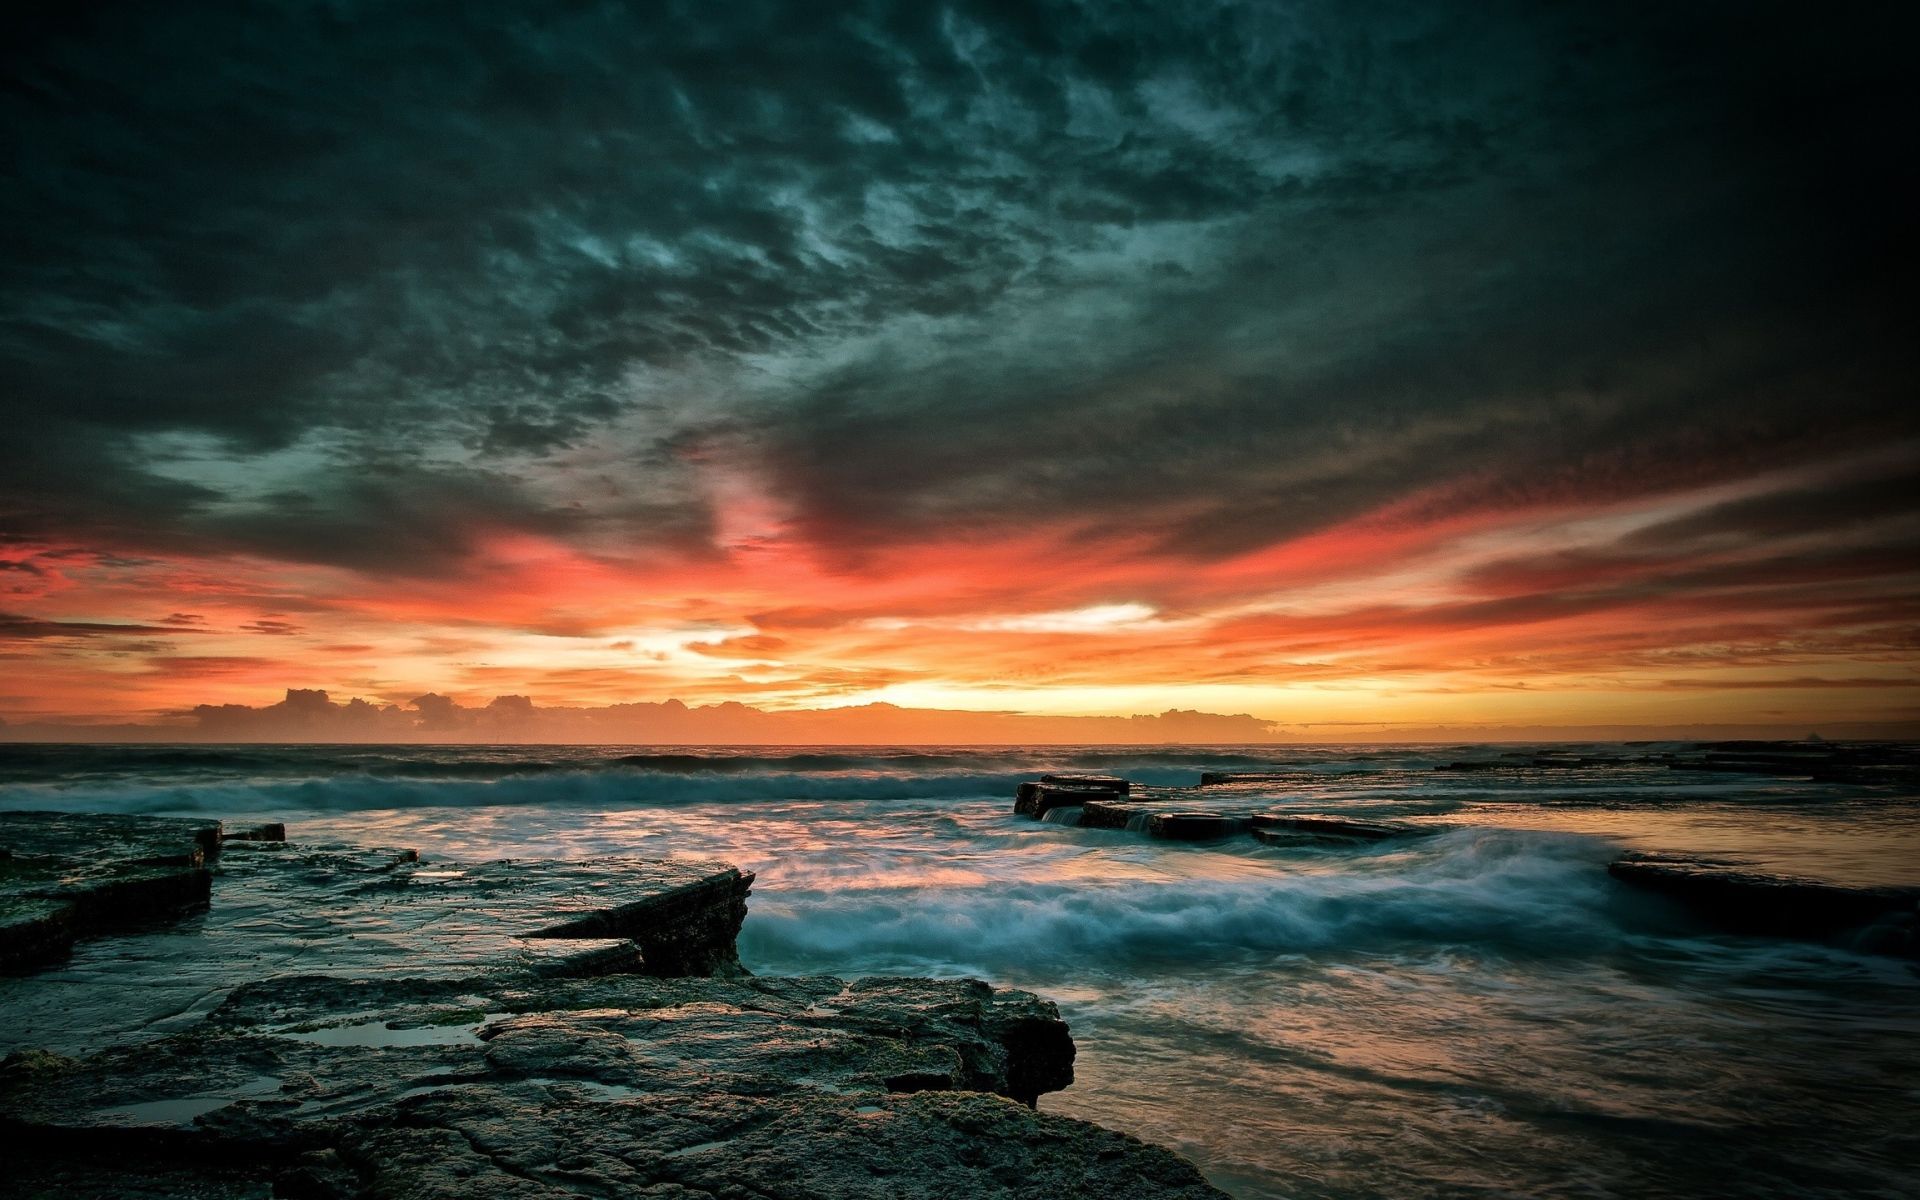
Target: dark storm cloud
[
  {"x": 1623, "y": 264},
  {"x": 1829, "y": 508},
  {"x": 1219, "y": 273},
  {"x": 391, "y": 518}
]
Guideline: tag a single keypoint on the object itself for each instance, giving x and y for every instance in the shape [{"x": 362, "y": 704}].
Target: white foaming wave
[{"x": 1518, "y": 892}]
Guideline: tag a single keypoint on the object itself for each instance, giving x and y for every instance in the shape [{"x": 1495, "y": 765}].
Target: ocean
[{"x": 1480, "y": 1012}]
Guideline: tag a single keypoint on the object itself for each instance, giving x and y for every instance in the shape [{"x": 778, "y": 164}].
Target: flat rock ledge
[
  {"x": 432, "y": 1054},
  {"x": 1284, "y": 829},
  {"x": 1733, "y": 896},
  {"x": 65, "y": 877}
]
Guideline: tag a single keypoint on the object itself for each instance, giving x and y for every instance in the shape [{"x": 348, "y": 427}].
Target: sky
[{"x": 1344, "y": 368}]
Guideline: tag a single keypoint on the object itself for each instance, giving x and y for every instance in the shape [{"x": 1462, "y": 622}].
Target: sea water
[{"x": 1483, "y": 1011}]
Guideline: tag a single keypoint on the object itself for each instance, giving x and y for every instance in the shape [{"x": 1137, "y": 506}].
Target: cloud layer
[{"x": 1383, "y": 351}]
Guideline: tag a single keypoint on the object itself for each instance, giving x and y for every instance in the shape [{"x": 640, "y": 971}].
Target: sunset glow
[
  {"x": 1247, "y": 397},
  {"x": 1658, "y": 609}
]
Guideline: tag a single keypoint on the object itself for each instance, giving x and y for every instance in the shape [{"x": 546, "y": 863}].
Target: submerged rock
[
  {"x": 374, "y": 913},
  {"x": 79, "y": 842},
  {"x": 1877, "y": 919}
]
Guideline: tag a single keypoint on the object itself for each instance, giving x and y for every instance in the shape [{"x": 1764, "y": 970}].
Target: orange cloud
[{"x": 1426, "y": 611}]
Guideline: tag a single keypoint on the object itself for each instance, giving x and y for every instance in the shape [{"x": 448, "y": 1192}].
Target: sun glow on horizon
[
  {"x": 1079, "y": 365},
  {"x": 1515, "y": 616}
]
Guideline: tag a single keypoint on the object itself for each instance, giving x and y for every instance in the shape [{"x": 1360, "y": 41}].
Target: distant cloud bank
[{"x": 311, "y": 715}]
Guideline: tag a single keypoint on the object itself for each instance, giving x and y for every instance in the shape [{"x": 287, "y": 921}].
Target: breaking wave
[{"x": 1523, "y": 893}]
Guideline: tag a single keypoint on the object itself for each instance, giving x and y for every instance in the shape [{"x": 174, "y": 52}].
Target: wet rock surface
[
  {"x": 287, "y": 908},
  {"x": 618, "y": 1085},
  {"x": 1043, "y": 798},
  {"x": 371, "y": 1025},
  {"x": 1114, "y": 814},
  {"x": 1194, "y": 826},
  {"x": 1290, "y": 828},
  {"x": 64, "y": 877},
  {"x": 1527, "y": 761},
  {"x": 1089, "y": 783},
  {"x": 273, "y": 831},
  {"x": 1038, "y": 798},
  {"x": 1734, "y": 897},
  {"x": 1830, "y": 762},
  {"x": 1224, "y": 805}
]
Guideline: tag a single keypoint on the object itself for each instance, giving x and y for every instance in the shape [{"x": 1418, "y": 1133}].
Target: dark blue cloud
[{"x": 1221, "y": 271}]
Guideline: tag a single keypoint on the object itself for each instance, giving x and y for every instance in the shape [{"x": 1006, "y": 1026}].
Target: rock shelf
[
  {"x": 1114, "y": 814},
  {"x": 504, "y": 1085},
  {"x": 1731, "y": 895},
  {"x": 1092, "y": 783},
  {"x": 1176, "y": 813},
  {"x": 1826, "y": 762},
  {"x": 368, "y": 1024},
  {"x": 66, "y": 877},
  {"x": 360, "y": 912},
  {"x": 1292, "y": 828},
  {"x": 1038, "y": 798},
  {"x": 1194, "y": 826}
]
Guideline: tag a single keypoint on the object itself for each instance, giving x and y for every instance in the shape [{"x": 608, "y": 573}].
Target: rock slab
[
  {"x": 531, "y": 1030},
  {"x": 1727, "y": 893},
  {"x": 623, "y": 1085},
  {"x": 1294, "y": 828},
  {"x": 65, "y": 876}
]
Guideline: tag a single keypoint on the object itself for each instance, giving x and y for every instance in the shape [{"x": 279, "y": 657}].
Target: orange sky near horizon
[
  {"x": 1354, "y": 368},
  {"x": 1423, "y": 613}
]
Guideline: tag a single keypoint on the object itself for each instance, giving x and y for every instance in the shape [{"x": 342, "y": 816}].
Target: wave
[
  {"x": 48, "y": 763},
  {"x": 576, "y": 788},
  {"x": 32, "y": 763},
  {"x": 805, "y": 761},
  {"x": 1518, "y": 892}
]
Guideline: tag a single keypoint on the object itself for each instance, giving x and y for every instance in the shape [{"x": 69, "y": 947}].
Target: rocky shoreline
[
  {"x": 1725, "y": 893},
  {"x": 1728, "y": 893},
  {"x": 228, "y": 1015}
]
